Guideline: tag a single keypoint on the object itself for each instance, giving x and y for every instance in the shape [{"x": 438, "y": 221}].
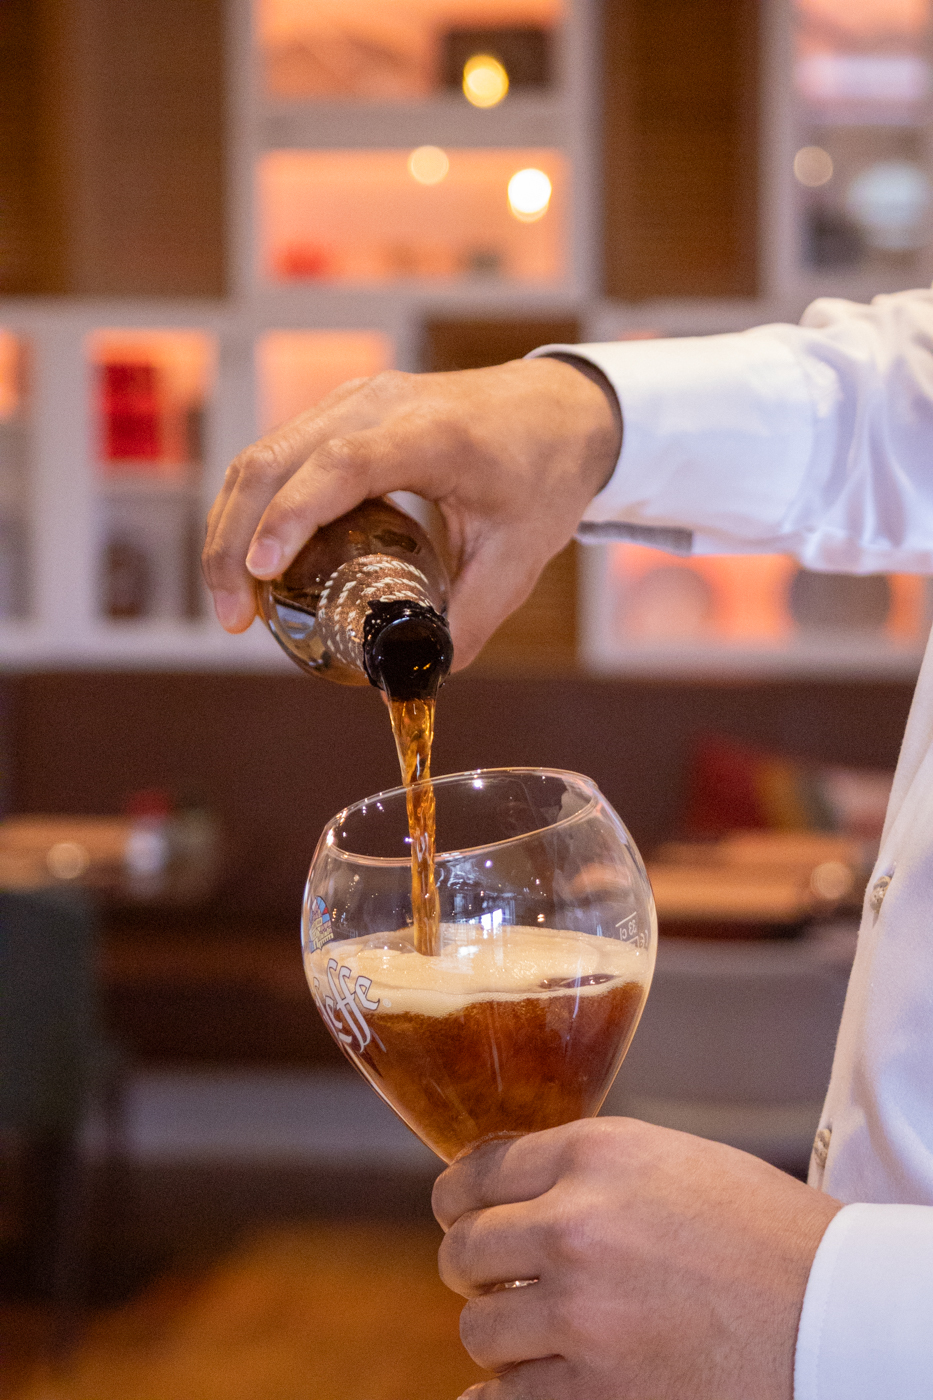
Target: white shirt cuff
[
  {"x": 717, "y": 433},
  {"x": 866, "y": 1329}
]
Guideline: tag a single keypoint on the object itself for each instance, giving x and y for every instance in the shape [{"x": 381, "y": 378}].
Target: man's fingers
[
  {"x": 550, "y": 1379},
  {"x": 272, "y": 459},
  {"x": 259, "y": 473},
  {"x": 489, "y": 1247},
  {"x": 235, "y": 607},
  {"x": 229, "y": 535},
  {"x": 506, "y": 1329},
  {"x": 501, "y": 1173},
  {"x": 340, "y": 474},
  {"x": 333, "y": 480}
]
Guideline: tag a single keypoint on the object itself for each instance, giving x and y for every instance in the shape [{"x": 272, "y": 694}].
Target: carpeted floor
[{"x": 307, "y": 1313}]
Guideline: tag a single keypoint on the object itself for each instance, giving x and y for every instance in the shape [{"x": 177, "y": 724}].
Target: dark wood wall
[
  {"x": 31, "y": 232},
  {"x": 112, "y": 147},
  {"x": 680, "y": 129},
  {"x": 276, "y": 756}
]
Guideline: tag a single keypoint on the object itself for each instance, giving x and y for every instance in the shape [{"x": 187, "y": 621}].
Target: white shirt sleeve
[
  {"x": 866, "y": 1330},
  {"x": 814, "y": 440}
]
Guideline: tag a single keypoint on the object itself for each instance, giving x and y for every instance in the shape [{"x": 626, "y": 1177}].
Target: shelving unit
[
  {"x": 847, "y": 195},
  {"x": 317, "y": 217},
  {"x": 316, "y": 155},
  {"x": 402, "y": 52},
  {"x": 647, "y": 613},
  {"x": 151, "y": 392},
  {"x": 80, "y": 495},
  {"x": 344, "y": 263},
  {"x": 849, "y": 161},
  {"x": 298, "y": 368}
]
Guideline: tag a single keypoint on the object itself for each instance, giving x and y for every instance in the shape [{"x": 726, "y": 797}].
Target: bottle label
[
  {"x": 344, "y": 1006},
  {"x": 320, "y": 929},
  {"x": 345, "y": 600}
]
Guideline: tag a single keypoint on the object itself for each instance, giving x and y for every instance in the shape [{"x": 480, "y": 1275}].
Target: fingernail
[
  {"x": 227, "y": 608},
  {"x": 264, "y": 556}
]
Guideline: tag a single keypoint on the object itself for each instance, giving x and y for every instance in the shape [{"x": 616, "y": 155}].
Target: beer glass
[{"x": 547, "y": 944}]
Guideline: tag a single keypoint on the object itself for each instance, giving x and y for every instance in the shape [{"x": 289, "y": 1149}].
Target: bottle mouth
[{"x": 407, "y": 649}]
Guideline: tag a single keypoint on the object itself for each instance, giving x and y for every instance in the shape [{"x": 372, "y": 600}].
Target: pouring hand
[{"x": 511, "y": 456}]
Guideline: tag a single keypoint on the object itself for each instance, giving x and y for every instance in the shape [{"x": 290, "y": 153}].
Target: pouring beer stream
[
  {"x": 413, "y": 728},
  {"x": 365, "y": 602}
]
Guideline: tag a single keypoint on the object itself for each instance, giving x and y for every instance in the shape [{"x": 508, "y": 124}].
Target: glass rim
[{"x": 401, "y": 791}]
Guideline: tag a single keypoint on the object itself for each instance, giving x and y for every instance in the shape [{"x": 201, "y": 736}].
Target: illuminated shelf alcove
[
  {"x": 863, "y": 86},
  {"x": 151, "y": 391},
  {"x": 296, "y": 369},
  {"x": 362, "y": 216},
  {"x": 397, "y": 50},
  {"x": 644, "y": 608},
  {"x": 14, "y": 478}
]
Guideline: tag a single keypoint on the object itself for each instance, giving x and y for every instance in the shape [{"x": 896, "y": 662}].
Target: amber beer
[
  {"x": 522, "y": 1032},
  {"x": 413, "y": 729}
]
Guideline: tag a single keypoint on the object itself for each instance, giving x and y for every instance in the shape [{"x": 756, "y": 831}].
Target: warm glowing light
[
  {"x": 297, "y": 369},
  {"x": 529, "y": 195},
  {"x": 67, "y": 860},
  {"x": 867, "y": 19},
  {"x": 832, "y": 880},
  {"x": 428, "y": 165},
  {"x": 813, "y": 166},
  {"x": 316, "y": 217},
  {"x": 485, "y": 81},
  {"x": 9, "y": 374}
]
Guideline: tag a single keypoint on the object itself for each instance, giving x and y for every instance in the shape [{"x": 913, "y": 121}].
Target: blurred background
[{"x": 211, "y": 213}]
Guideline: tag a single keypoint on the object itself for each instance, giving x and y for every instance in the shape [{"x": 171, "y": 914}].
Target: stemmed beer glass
[{"x": 546, "y": 950}]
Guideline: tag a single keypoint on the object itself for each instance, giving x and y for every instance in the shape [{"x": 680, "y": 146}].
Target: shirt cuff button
[{"x": 821, "y": 1146}]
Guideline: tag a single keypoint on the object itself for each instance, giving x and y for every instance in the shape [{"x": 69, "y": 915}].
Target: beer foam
[{"x": 510, "y": 965}]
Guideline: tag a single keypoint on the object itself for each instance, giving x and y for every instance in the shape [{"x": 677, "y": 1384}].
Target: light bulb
[
  {"x": 813, "y": 166},
  {"x": 485, "y": 81},
  {"x": 428, "y": 165},
  {"x": 67, "y": 860},
  {"x": 529, "y": 195}
]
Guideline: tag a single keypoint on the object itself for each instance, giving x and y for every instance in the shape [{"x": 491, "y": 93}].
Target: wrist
[{"x": 595, "y": 404}]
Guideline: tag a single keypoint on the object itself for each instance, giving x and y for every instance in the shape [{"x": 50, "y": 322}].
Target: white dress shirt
[{"x": 817, "y": 440}]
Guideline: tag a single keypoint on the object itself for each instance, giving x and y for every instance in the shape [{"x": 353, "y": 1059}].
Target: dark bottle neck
[{"x": 407, "y": 649}]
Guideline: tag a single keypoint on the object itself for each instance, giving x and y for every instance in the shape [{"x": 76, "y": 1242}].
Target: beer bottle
[{"x": 365, "y": 601}]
